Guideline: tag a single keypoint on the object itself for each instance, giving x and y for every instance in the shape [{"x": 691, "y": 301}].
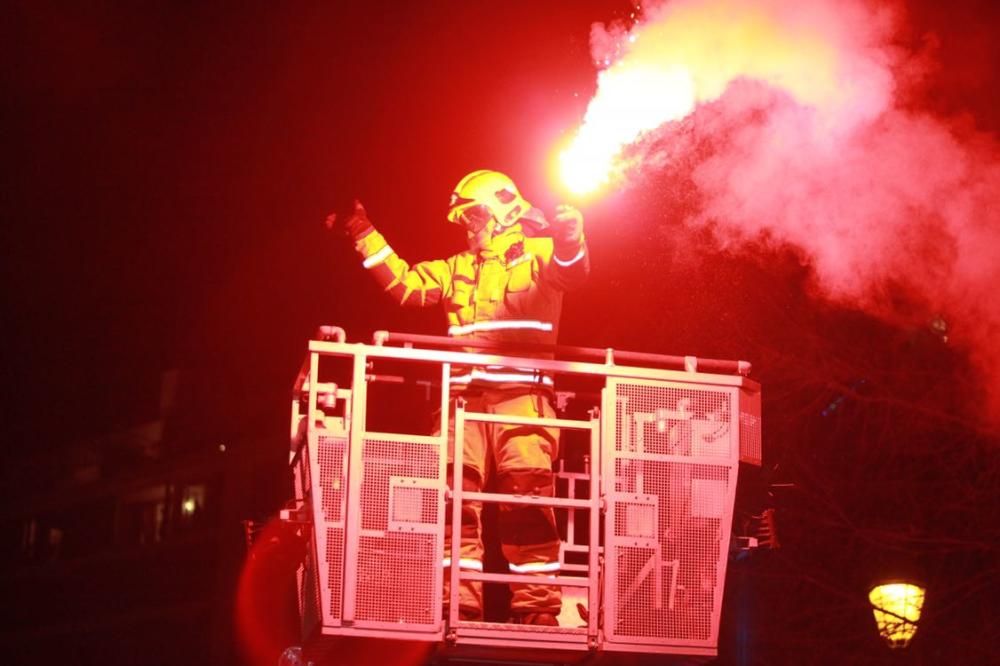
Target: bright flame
[
  {"x": 897, "y": 609},
  {"x": 632, "y": 100},
  {"x": 687, "y": 53}
]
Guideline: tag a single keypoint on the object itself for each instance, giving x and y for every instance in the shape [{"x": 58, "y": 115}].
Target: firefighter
[{"x": 507, "y": 287}]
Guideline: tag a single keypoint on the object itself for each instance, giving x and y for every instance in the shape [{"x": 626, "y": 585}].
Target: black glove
[{"x": 353, "y": 223}]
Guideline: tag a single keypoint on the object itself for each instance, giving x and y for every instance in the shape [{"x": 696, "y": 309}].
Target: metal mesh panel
[
  {"x": 413, "y": 505},
  {"x": 332, "y": 478},
  {"x": 335, "y": 570},
  {"x": 671, "y": 420},
  {"x": 750, "y": 446},
  {"x": 396, "y": 578},
  {"x": 399, "y": 555},
  {"x": 384, "y": 460},
  {"x": 636, "y": 518},
  {"x": 668, "y": 587},
  {"x": 407, "y": 505},
  {"x": 710, "y": 439},
  {"x": 669, "y": 515},
  {"x": 331, "y": 453},
  {"x": 636, "y": 588}
]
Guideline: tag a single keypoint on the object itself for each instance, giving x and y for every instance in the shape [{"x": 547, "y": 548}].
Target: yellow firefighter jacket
[{"x": 510, "y": 293}]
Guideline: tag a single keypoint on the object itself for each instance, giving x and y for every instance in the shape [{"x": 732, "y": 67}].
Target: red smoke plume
[{"x": 812, "y": 142}]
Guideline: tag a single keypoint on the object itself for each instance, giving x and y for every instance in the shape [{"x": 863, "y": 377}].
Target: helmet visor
[{"x": 475, "y": 218}]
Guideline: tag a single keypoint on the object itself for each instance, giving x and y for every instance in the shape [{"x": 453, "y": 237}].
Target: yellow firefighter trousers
[{"x": 522, "y": 457}]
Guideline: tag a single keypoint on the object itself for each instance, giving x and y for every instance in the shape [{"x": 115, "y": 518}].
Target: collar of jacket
[{"x": 501, "y": 245}]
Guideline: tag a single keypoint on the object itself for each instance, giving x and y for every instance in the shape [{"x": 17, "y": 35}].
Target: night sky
[
  {"x": 169, "y": 166},
  {"x": 172, "y": 165}
]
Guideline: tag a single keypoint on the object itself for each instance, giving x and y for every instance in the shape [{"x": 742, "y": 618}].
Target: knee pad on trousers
[
  {"x": 526, "y": 482},
  {"x": 526, "y": 525}
]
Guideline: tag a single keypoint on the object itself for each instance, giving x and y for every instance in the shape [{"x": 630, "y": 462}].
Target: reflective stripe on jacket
[{"x": 512, "y": 293}]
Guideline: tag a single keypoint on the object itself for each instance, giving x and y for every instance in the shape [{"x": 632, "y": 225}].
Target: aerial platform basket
[{"x": 646, "y": 517}]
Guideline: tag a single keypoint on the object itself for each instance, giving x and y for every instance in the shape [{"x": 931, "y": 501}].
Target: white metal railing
[{"x": 664, "y": 439}]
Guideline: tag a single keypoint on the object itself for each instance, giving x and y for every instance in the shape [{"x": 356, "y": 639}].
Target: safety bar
[
  {"x": 528, "y": 500},
  {"x": 532, "y": 579},
  {"x": 608, "y": 355},
  {"x": 486, "y": 358},
  {"x": 528, "y": 421}
]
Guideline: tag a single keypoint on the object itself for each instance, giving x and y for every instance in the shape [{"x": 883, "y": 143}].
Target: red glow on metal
[
  {"x": 265, "y": 605},
  {"x": 266, "y": 614}
]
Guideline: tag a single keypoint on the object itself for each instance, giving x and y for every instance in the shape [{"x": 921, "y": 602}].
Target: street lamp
[{"x": 896, "y": 605}]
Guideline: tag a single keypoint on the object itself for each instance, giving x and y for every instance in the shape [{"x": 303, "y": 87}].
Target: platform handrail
[
  {"x": 608, "y": 355},
  {"x": 457, "y": 357}
]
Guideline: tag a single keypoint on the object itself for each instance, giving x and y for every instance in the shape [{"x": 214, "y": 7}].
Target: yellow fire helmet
[{"x": 483, "y": 194}]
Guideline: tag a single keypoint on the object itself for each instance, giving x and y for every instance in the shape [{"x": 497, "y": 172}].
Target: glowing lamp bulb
[{"x": 897, "y": 607}]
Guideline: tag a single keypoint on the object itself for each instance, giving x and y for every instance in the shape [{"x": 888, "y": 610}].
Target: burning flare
[
  {"x": 631, "y": 100},
  {"x": 685, "y": 53}
]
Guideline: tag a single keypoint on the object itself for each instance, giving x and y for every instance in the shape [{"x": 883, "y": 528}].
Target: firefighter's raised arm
[
  {"x": 421, "y": 285},
  {"x": 570, "y": 261}
]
